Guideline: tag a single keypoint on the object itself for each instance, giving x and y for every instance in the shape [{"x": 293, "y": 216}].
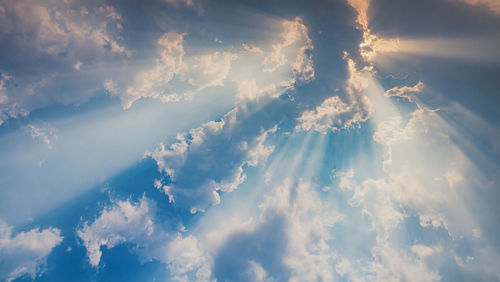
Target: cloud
[
  {"x": 153, "y": 83},
  {"x": 493, "y": 5},
  {"x": 335, "y": 114},
  {"x": 135, "y": 223},
  {"x": 251, "y": 48},
  {"x": 25, "y": 253},
  {"x": 124, "y": 222},
  {"x": 56, "y": 27},
  {"x": 110, "y": 12},
  {"x": 214, "y": 69},
  {"x": 185, "y": 257},
  {"x": 431, "y": 187},
  {"x": 248, "y": 90},
  {"x": 210, "y": 159},
  {"x": 55, "y": 35},
  {"x": 372, "y": 44},
  {"x": 294, "y": 33},
  {"x": 217, "y": 170},
  {"x": 45, "y": 133},
  {"x": 289, "y": 242},
  {"x": 175, "y": 75},
  {"x": 407, "y": 92}
]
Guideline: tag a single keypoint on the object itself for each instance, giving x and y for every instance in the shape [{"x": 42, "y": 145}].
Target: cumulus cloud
[
  {"x": 124, "y": 222},
  {"x": 56, "y": 26},
  {"x": 335, "y": 114},
  {"x": 153, "y": 83},
  {"x": 430, "y": 187},
  {"x": 62, "y": 36},
  {"x": 25, "y": 253},
  {"x": 248, "y": 90},
  {"x": 210, "y": 159},
  {"x": 217, "y": 170},
  {"x": 175, "y": 75},
  {"x": 214, "y": 69},
  {"x": 289, "y": 242},
  {"x": 135, "y": 223},
  {"x": 294, "y": 33}
]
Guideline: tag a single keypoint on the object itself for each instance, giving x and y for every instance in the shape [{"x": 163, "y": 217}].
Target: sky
[{"x": 197, "y": 140}]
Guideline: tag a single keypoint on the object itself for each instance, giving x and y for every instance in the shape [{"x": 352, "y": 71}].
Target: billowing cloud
[
  {"x": 124, "y": 222},
  {"x": 294, "y": 33},
  {"x": 333, "y": 113},
  {"x": 64, "y": 37},
  {"x": 153, "y": 83},
  {"x": 214, "y": 174},
  {"x": 25, "y": 253},
  {"x": 135, "y": 223},
  {"x": 290, "y": 241},
  {"x": 430, "y": 187}
]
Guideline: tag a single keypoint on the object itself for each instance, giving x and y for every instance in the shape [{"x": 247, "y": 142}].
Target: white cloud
[
  {"x": 175, "y": 75},
  {"x": 135, "y": 223},
  {"x": 3, "y": 89},
  {"x": 185, "y": 257},
  {"x": 56, "y": 27},
  {"x": 45, "y": 133},
  {"x": 78, "y": 65},
  {"x": 124, "y": 222},
  {"x": 372, "y": 44},
  {"x": 260, "y": 152},
  {"x": 335, "y": 114},
  {"x": 289, "y": 242},
  {"x": 248, "y": 90},
  {"x": 211, "y": 69},
  {"x": 407, "y": 92},
  {"x": 251, "y": 48},
  {"x": 294, "y": 32},
  {"x": 430, "y": 186},
  {"x": 153, "y": 83},
  {"x": 25, "y": 253},
  {"x": 65, "y": 38}
]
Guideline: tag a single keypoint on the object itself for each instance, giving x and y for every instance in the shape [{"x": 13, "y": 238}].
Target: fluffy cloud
[
  {"x": 26, "y": 252},
  {"x": 294, "y": 32},
  {"x": 65, "y": 38},
  {"x": 333, "y": 113},
  {"x": 289, "y": 242},
  {"x": 222, "y": 172},
  {"x": 407, "y": 92},
  {"x": 431, "y": 187},
  {"x": 175, "y": 75},
  {"x": 153, "y": 83},
  {"x": 124, "y": 222},
  {"x": 210, "y": 159},
  {"x": 135, "y": 224}
]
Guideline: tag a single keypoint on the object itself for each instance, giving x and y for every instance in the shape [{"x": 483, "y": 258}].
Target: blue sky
[{"x": 196, "y": 140}]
